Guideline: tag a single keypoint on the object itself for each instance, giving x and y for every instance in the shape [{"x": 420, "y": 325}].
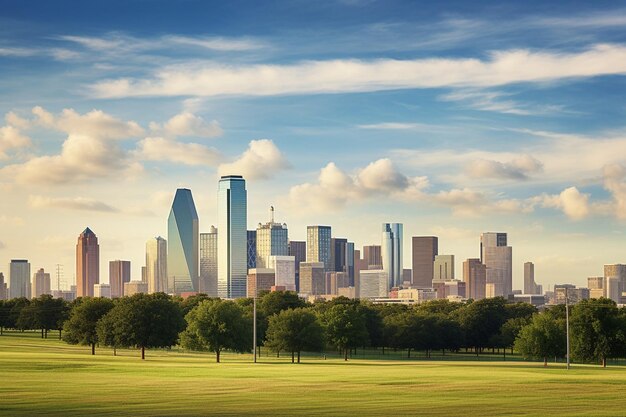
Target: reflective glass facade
[
  {"x": 208, "y": 263},
  {"x": 318, "y": 245},
  {"x": 232, "y": 239},
  {"x": 156, "y": 265},
  {"x": 183, "y": 247}
]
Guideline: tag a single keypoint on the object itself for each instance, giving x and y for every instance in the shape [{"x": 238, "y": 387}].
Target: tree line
[{"x": 287, "y": 324}]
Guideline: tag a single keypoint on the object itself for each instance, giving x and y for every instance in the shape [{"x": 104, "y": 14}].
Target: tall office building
[
  {"x": 297, "y": 249},
  {"x": 251, "y": 249},
  {"x": 318, "y": 245},
  {"x": 596, "y": 287},
  {"x": 208, "y": 263},
  {"x": 232, "y": 237},
  {"x": 342, "y": 257},
  {"x": 423, "y": 251},
  {"x": 156, "y": 265},
  {"x": 373, "y": 283},
  {"x": 271, "y": 240},
  {"x": 41, "y": 283},
  {"x": 475, "y": 277},
  {"x": 284, "y": 270},
  {"x": 4, "y": 289},
  {"x": 443, "y": 268},
  {"x": 87, "y": 263},
  {"x": 498, "y": 258},
  {"x": 119, "y": 273},
  {"x": 102, "y": 290},
  {"x": 615, "y": 271},
  {"x": 372, "y": 255},
  {"x": 391, "y": 252},
  {"x": 19, "y": 278},
  {"x": 530, "y": 286},
  {"x": 183, "y": 244},
  {"x": 259, "y": 280},
  {"x": 312, "y": 278}
]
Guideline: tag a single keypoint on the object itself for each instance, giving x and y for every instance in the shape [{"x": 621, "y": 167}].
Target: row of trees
[{"x": 286, "y": 323}]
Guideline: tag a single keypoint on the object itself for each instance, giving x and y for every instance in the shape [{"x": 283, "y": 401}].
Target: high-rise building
[
  {"x": 232, "y": 237},
  {"x": 407, "y": 276},
  {"x": 297, "y": 249},
  {"x": 372, "y": 255},
  {"x": 498, "y": 258},
  {"x": 183, "y": 244},
  {"x": 530, "y": 286},
  {"x": 259, "y": 279},
  {"x": 336, "y": 280},
  {"x": 391, "y": 252},
  {"x": 156, "y": 265},
  {"x": 41, "y": 283},
  {"x": 208, "y": 262},
  {"x": 318, "y": 245},
  {"x": 423, "y": 251},
  {"x": 475, "y": 277},
  {"x": 342, "y": 257},
  {"x": 4, "y": 289},
  {"x": 87, "y": 263},
  {"x": 135, "y": 287},
  {"x": 373, "y": 283},
  {"x": 596, "y": 287},
  {"x": 102, "y": 290},
  {"x": 251, "y": 249},
  {"x": 119, "y": 273},
  {"x": 19, "y": 278},
  {"x": 284, "y": 270},
  {"x": 615, "y": 271},
  {"x": 443, "y": 268},
  {"x": 312, "y": 278},
  {"x": 271, "y": 240},
  {"x": 613, "y": 288}
]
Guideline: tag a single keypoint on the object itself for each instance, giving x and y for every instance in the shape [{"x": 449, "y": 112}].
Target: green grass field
[{"x": 48, "y": 377}]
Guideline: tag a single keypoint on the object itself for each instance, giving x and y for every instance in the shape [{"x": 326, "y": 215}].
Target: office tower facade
[
  {"x": 497, "y": 256},
  {"x": 423, "y": 251},
  {"x": 530, "y": 286},
  {"x": 87, "y": 263},
  {"x": 372, "y": 255},
  {"x": 232, "y": 239},
  {"x": 135, "y": 287},
  {"x": 318, "y": 245},
  {"x": 615, "y": 271},
  {"x": 156, "y": 265},
  {"x": 407, "y": 276},
  {"x": 475, "y": 277},
  {"x": 102, "y": 290},
  {"x": 208, "y": 263},
  {"x": 41, "y": 283},
  {"x": 258, "y": 280},
  {"x": 391, "y": 252},
  {"x": 336, "y": 280},
  {"x": 613, "y": 289},
  {"x": 312, "y": 278},
  {"x": 271, "y": 240},
  {"x": 19, "y": 278},
  {"x": 297, "y": 249},
  {"x": 373, "y": 283},
  {"x": 4, "y": 289},
  {"x": 251, "y": 249},
  {"x": 443, "y": 268},
  {"x": 183, "y": 244},
  {"x": 284, "y": 271},
  {"x": 360, "y": 264},
  {"x": 342, "y": 257},
  {"x": 596, "y": 287},
  {"x": 119, "y": 273}
]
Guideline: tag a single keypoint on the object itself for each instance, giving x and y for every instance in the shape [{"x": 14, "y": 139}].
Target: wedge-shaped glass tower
[{"x": 183, "y": 249}]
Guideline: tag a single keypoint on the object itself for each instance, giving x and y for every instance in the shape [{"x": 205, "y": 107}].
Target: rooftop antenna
[{"x": 272, "y": 214}]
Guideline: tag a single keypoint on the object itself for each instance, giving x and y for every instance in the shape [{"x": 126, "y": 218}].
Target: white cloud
[
  {"x": 217, "y": 43},
  {"x": 96, "y": 124},
  {"x": 11, "y": 138},
  {"x": 614, "y": 175},
  {"x": 76, "y": 203},
  {"x": 261, "y": 160},
  {"x": 496, "y": 101},
  {"x": 517, "y": 169},
  {"x": 351, "y": 75},
  {"x": 162, "y": 149},
  {"x": 571, "y": 201},
  {"x": 187, "y": 124}
]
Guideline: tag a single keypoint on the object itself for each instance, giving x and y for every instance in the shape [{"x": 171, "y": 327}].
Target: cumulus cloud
[
  {"x": 187, "y": 124},
  {"x": 11, "y": 138},
  {"x": 614, "y": 175},
  {"x": 517, "y": 169},
  {"x": 571, "y": 201},
  {"x": 261, "y": 160},
  {"x": 95, "y": 124},
  {"x": 77, "y": 203},
  {"x": 162, "y": 149},
  {"x": 352, "y": 75}
]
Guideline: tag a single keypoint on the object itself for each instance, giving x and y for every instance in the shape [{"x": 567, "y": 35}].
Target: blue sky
[{"x": 452, "y": 117}]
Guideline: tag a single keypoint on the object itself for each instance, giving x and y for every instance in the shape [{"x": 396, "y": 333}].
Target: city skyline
[{"x": 457, "y": 121}]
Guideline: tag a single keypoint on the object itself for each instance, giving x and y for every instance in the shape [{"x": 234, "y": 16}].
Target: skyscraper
[
  {"x": 156, "y": 265},
  {"x": 208, "y": 262},
  {"x": 271, "y": 240},
  {"x": 297, "y": 249},
  {"x": 530, "y": 286},
  {"x": 391, "y": 252},
  {"x": 183, "y": 245},
  {"x": 443, "y": 268},
  {"x": 87, "y": 263},
  {"x": 4, "y": 289},
  {"x": 423, "y": 250},
  {"x": 617, "y": 271},
  {"x": 498, "y": 258},
  {"x": 119, "y": 273},
  {"x": 342, "y": 257},
  {"x": 232, "y": 237},
  {"x": 318, "y": 245},
  {"x": 284, "y": 270},
  {"x": 372, "y": 255},
  {"x": 251, "y": 252},
  {"x": 475, "y": 277},
  {"x": 312, "y": 278},
  {"x": 41, "y": 283}
]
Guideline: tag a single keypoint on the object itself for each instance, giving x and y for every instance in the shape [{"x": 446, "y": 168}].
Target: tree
[
  {"x": 190, "y": 302},
  {"x": 215, "y": 325},
  {"x": 295, "y": 330},
  {"x": 481, "y": 321},
  {"x": 144, "y": 321},
  {"x": 45, "y": 313},
  {"x": 11, "y": 311},
  {"x": 276, "y": 301},
  {"x": 345, "y": 327},
  {"x": 441, "y": 306},
  {"x": 543, "y": 338},
  {"x": 80, "y": 328},
  {"x": 107, "y": 330}
]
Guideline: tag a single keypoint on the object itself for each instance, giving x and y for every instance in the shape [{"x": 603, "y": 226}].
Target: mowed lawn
[{"x": 48, "y": 377}]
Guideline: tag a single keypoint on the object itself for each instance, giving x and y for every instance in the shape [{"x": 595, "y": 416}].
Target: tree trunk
[
  {"x": 114, "y": 351},
  {"x": 42, "y": 332},
  {"x": 143, "y": 353},
  {"x": 292, "y": 357},
  {"x": 504, "y": 352},
  {"x": 545, "y": 361},
  {"x": 604, "y": 362},
  {"x": 383, "y": 350},
  {"x": 217, "y": 356},
  {"x": 278, "y": 353},
  {"x": 60, "y": 334},
  {"x": 298, "y": 356},
  {"x": 346, "y": 355},
  {"x": 409, "y": 355},
  {"x": 1, "y": 329},
  {"x": 93, "y": 348}
]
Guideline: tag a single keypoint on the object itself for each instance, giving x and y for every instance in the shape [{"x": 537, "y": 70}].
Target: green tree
[
  {"x": 215, "y": 325},
  {"x": 543, "y": 338},
  {"x": 190, "y": 302},
  {"x": 108, "y": 331},
  {"x": 45, "y": 313},
  {"x": 13, "y": 309},
  {"x": 481, "y": 321},
  {"x": 345, "y": 327},
  {"x": 80, "y": 328},
  {"x": 295, "y": 330},
  {"x": 276, "y": 301}
]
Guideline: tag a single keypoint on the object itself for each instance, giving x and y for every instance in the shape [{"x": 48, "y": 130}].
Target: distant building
[
  {"x": 41, "y": 283},
  {"x": 614, "y": 289},
  {"x": 65, "y": 295},
  {"x": 183, "y": 247},
  {"x": 4, "y": 289},
  {"x": 372, "y": 255},
  {"x": 423, "y": 250},
  {"x": 208, "y": 263},
  {"x": 297, "y": 249},
  {"x": 373, "y": 283},
  {"x": 87, "y": 263},
  {"x": 119, "y": 273},
  {"x": 258, "y": 280},
  {"x": 574, "y": 295},
  {"x": 285, "y": 271},
  {"x": 447, "y": 288},
  {"x": 318, "y": 245},
  {"x": 19, "y": 278},
  {"x": 360, "y": 264},
  {"x": 534, "y": 299},
  {"x": 156, "y": 265},
  {"x": 475, "y": 277},
  {"x": 336, "y": 280},
  {"x": 498, "y": 258},
  {"x": 102, "y": 290},
  {"x": 250, "y": 249},
  {"x": 443, "y": 267},
  {"x": 596, "y": 287},
  {"x": 271, "y": 240},
  {"x": 530, "y": 286},
  {"x": 312, "y": 278},
  {"x": 391, "y": 253},
  {"x": 409, "y": 296},
  {"x": 616, "y": 271},
  {"x": 348, "y": 292},
  {"x": 135, "y": 287},
  {"x": 342, "y": 257},
  {"x": 407, "y": 276}
]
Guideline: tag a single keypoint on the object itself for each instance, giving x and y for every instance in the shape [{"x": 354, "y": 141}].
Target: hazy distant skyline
[{"x": 453, "y": 119}]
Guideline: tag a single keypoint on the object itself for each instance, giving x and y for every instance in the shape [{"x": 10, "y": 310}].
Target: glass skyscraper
[
  {"x": 391, "y": 252},
  {"x": 232, "y": 238},
  {"x": 318, "y": 245},
  {"x": 271, "y": 240},
  {"x": 183, "y": 245},
  {"x": 208, "y": 262},
  {"x": 497, "y": 256}
]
